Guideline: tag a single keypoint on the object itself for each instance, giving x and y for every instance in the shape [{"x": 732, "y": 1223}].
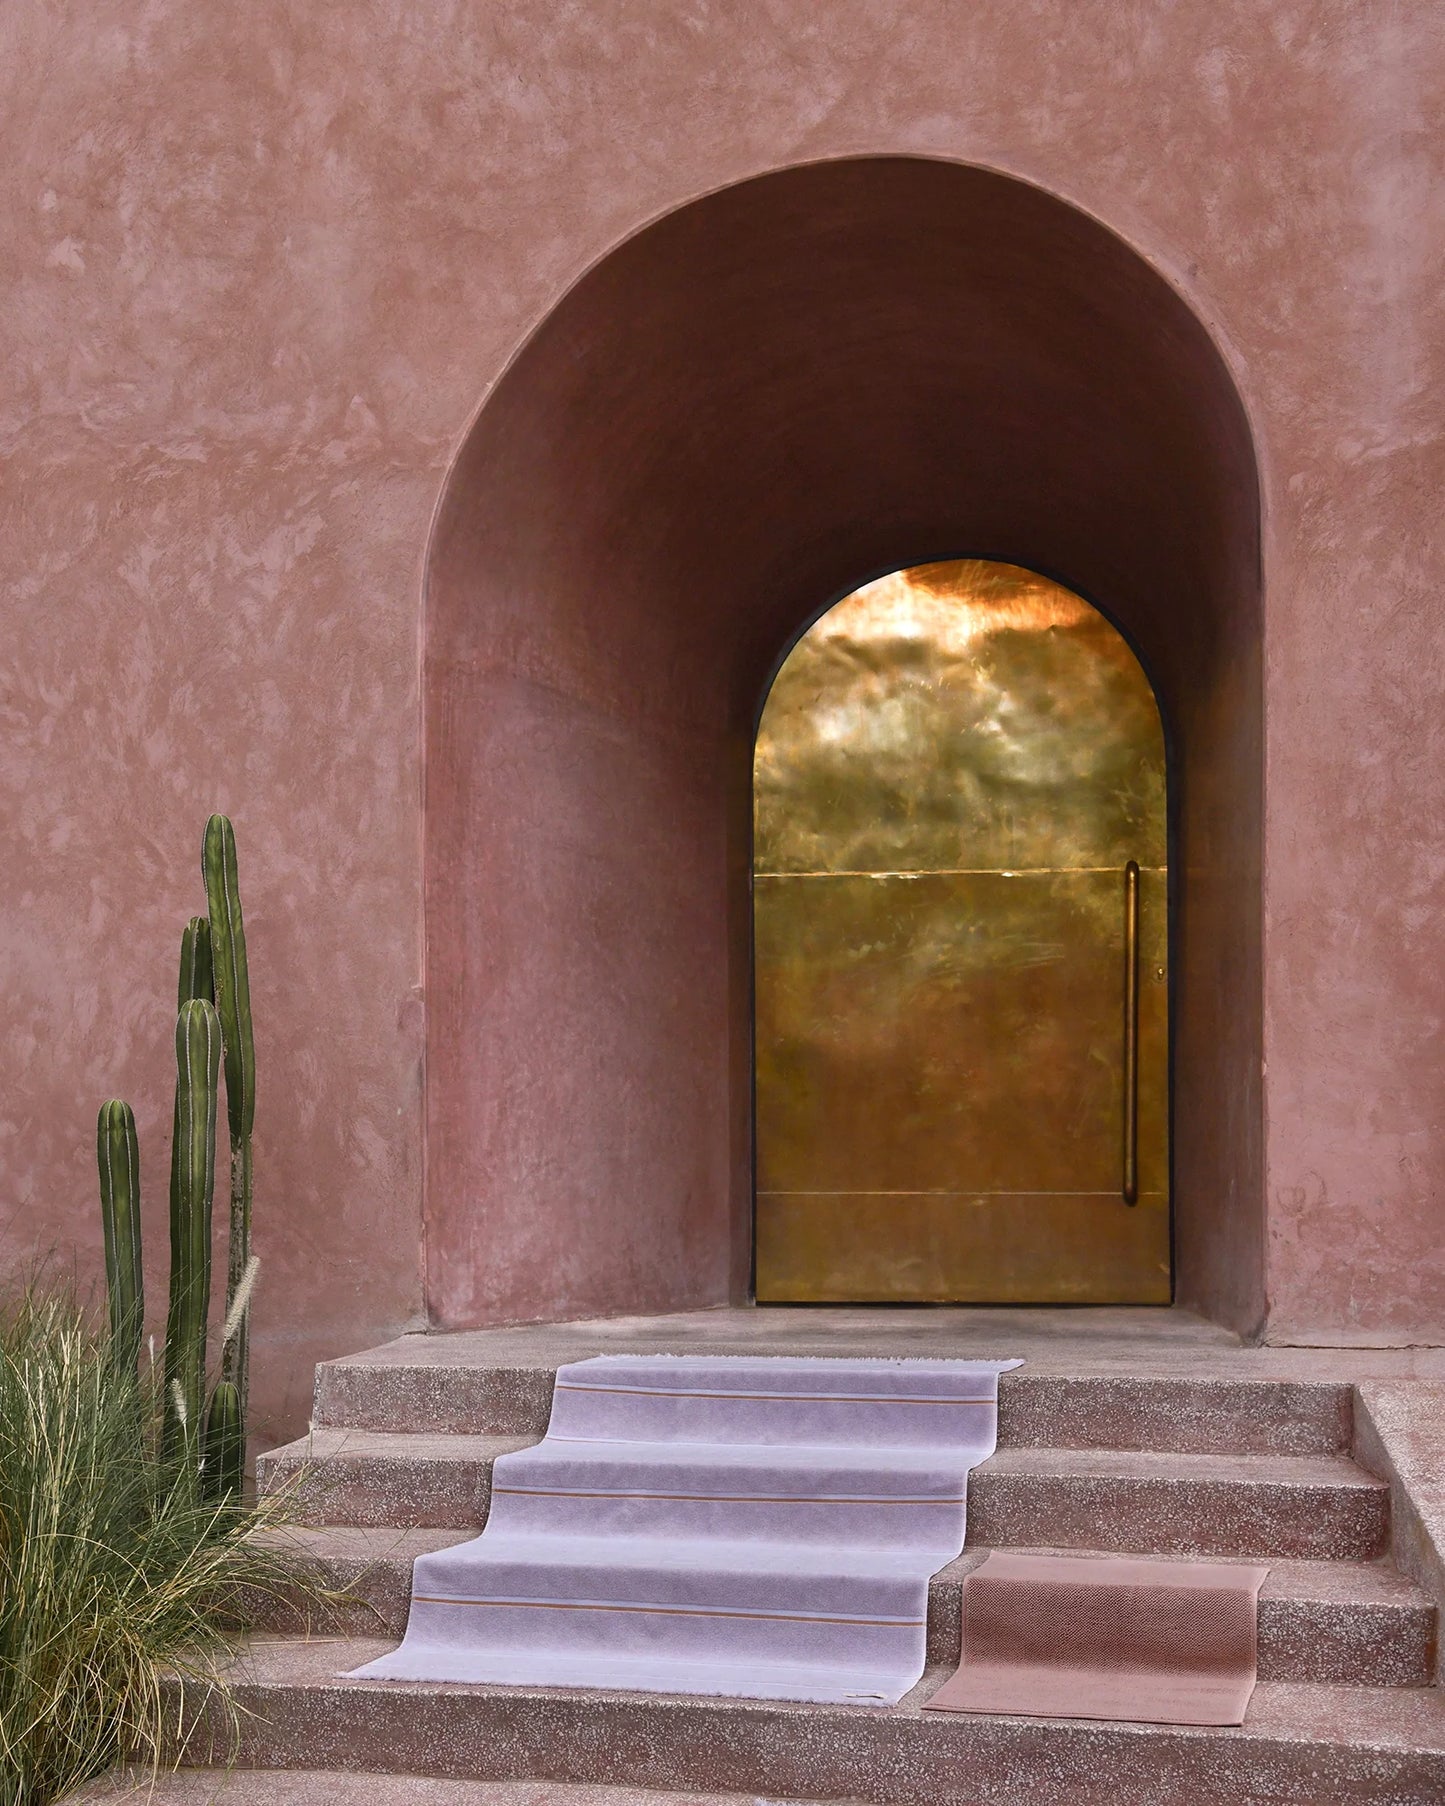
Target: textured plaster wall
[{"x": 261, "y": 265}]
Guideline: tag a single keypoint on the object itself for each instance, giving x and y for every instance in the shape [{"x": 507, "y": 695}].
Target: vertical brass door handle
[{"x": 1131, "y": 1033}]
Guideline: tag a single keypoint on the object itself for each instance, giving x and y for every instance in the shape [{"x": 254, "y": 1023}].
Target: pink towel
[{"x": 1080, "y": 1636}]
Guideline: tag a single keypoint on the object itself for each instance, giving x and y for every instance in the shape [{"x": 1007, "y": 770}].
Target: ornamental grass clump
[{"x": 119, "y": 1573}]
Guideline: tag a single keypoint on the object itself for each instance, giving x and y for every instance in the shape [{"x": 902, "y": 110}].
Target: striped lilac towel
[{"x": 758, "y": 1527}]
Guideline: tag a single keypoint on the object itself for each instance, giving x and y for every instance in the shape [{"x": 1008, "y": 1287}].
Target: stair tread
[
  {"x": 326, "y": 1444},
  {"x": 1061, "y": 1341},
  {"x": 741, "y": 1555},
  {"x": 1332, "y": 1470},
  {"x": 1383, "y": 1718},
  {"x": 576, "y": 1452},
  {"x": 1333, "y": 1582},
  {"x": 451, "y": 1353},
  {"x": 337, "y": 1787},
  {"x": 1149, "y": 1464}
]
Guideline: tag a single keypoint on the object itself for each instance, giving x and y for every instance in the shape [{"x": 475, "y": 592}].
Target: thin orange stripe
[
  {"x": 669, "y": 1611},
  {"x": 722, "y": 1498},
  {"x": 787, "y": 1398}
]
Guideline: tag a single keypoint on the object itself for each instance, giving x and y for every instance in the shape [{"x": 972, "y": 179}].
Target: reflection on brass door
[{"x": 962, "y": 1049}]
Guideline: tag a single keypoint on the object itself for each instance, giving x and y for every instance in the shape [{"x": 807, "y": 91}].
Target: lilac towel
[{"x": 756, "y": 1527}]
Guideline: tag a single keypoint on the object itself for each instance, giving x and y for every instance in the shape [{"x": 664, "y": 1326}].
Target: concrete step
[
  {"x": 1352, "y": 1623},
  {"x": 334, "y": 1787},
  {"x": 377, "y": 1478},
  {"x": 433, "y": 1384},
  {"x": 1300, "y": 1746},
  {"x": 1315, "y": 1507}
]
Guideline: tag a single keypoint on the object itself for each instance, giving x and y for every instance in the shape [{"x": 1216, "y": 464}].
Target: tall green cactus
[
  {"x": 118, "y": 1154},
  {"x": 225, "y": 1444},
  {"x": 193, "y": 1179},
  {"x": 214, "y": 1022},
  {"x": 233, "y": 1002}
]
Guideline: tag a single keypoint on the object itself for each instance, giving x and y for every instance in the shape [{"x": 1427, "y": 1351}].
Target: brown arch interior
[{"x": 756, "y": 404}]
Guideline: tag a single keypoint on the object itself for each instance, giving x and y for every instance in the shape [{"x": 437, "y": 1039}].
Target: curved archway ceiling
[{"x": 956, "y": 768}]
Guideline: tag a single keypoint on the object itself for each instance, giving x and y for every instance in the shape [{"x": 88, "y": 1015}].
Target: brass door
[{"x": 962, "y": 1057}]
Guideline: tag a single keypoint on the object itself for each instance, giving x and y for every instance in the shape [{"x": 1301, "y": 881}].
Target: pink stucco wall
[{"x": 262, "y": 265}]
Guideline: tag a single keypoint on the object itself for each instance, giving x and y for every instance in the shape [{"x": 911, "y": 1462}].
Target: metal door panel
[
  {"x": 961, "y": 1248},
  {"x": 953, "y": 770}
]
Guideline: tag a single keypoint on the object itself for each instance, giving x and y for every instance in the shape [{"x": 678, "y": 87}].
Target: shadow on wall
[{"x": 755, "y": 404}]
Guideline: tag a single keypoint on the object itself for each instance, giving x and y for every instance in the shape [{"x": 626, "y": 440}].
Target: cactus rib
[
  {"x": 233, "y": 989},
  {"x": 118, "y": 1156},
  {"x": 233, "y": 1001},
  {"x": 195, "y": 981},
  {"x": 198, "y": 1059}
]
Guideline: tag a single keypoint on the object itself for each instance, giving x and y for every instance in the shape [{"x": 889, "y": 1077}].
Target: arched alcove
[{"x": 757, "y": 403}]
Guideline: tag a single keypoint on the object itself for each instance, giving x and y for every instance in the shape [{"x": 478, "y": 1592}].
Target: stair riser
[
  {"x": 454, "y": 1401},
  {"x": 1260, "y": 1520},
  {"x": 375, "y": 1493},
  {"x": 888, "y": 1758},
  {"x": 1201, "y": 1417},
  {"x": 1378, "y": 1645},
  {"x": 1165, "y": 1517},
  {"x": 1035, "y": 1410},
  {"x": 1348, "y": 1644}
]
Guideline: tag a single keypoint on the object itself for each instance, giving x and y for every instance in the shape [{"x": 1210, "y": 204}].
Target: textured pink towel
[
  {"x": 1080, "y": 1636},
  {"x": 764, "y": 1528}
]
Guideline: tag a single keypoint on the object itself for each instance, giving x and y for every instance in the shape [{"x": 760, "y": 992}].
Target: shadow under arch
[{"x": 753, "y": 405}]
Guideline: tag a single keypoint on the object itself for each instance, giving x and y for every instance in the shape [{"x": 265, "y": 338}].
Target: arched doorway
[
  {"x": 961, "y": 952},
  {"x": 822, "y": 372}
]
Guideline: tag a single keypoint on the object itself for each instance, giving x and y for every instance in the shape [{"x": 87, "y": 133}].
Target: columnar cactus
[
  {"x": 193, "y": 1178},
  {"x": 214, "y": 1021},
  {"x": 233, "y": 1002},
  {"x": 118, "y": 1155},
  {"x": 225, "y": 1444},
  {"x": 196, "y": 977},
  {"x": 195, "y": 981}
]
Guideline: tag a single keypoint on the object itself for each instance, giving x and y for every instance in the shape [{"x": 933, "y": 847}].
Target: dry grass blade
[{"x": 114, "y": 1574}]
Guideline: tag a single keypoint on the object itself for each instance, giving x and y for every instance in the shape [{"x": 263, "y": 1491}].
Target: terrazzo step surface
[
  {"x": 435, "y": 1384},
  {"x": 1356, "y": 1623},
  {"x": 1144, "y": 1502},
  {"x": 377, "y": 1477},
  {"x": 1302, "y": 1745},
  {"x": 335, "y": 1787},
  {"x": 1317, "y": 1507}
]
